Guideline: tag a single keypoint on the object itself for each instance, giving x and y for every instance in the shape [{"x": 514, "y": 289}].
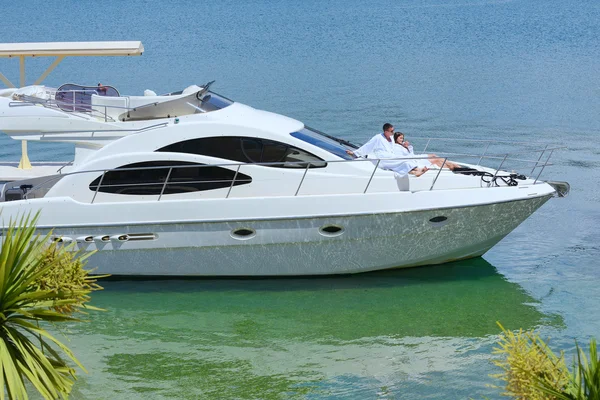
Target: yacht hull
[{"x": 300, "y": 246}]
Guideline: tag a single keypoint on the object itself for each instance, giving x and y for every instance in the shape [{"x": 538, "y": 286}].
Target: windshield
[{"x": 326, "y": 142}]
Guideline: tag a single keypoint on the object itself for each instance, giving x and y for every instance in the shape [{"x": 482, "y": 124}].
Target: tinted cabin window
[
  {"x": 329, "y": 143},
  {"x": 248, "y": 150},
  {"x": 149, "y": 178}
]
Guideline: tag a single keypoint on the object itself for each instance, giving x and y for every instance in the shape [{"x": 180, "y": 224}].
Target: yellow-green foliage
[
  {"x": 526, "y": 360},
  {"x": 28, "y": 352},
  {"x": 585, "y": 378},
  {"x": 66, "y": 273}
]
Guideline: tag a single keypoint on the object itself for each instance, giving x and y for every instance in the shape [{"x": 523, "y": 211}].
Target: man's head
[{"x": 388, "y": 129}]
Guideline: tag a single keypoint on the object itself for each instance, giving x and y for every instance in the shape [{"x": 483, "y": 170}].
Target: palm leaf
[
  {"x": 584, "y": 383},
  {"x": 28, "y": 352}
]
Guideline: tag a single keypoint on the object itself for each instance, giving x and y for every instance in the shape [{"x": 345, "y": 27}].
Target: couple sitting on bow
[{"x": 390, "y": 148}]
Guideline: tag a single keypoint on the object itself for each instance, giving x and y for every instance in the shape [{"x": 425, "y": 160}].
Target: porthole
[
  {"x": 243, "y": 233},
  {"x": 438, "y": 221},
  {"x": 331, "y": 230}
]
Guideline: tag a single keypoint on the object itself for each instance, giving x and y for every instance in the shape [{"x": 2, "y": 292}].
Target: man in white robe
[{"x": 381, "y": 146}]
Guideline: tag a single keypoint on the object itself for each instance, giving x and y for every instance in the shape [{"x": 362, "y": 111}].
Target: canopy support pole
[
  {"x": 49, "y": 69},
  {"x": 22, "y": 68},
  {"x": 6, "y": 81},
  {"x": 24, "y": 163}
]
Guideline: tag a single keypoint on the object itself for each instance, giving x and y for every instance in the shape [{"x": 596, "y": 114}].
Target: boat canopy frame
[{"x": 60, "y": 50}]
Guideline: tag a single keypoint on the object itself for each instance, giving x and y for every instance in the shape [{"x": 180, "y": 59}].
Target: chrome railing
[
  {"x": 82, "y": 108},
  {"x": 43, "y": 187},
  {"x": 492, "y": 142},
  {"x": 68, "y": 106},
  {"x": 73, "y": 106}
]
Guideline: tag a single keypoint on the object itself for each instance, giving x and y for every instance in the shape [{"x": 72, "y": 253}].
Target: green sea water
[{"x": 295, "y": 338}]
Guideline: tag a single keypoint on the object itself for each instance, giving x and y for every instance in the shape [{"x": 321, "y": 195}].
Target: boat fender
[
  {"x": 62, "y": 239},
  {"x": 119, "y": 238}
]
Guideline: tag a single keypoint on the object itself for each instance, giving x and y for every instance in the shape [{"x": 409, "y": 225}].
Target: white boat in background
[{"x": 192, "y": 183}]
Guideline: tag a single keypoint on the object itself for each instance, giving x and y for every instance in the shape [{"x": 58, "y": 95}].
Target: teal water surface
[{"x": 520, "y": 70}]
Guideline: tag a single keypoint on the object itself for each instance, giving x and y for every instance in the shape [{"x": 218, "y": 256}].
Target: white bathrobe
[
  {"x": 380, "y": 148},
  {"x": 401, "y": 151}
]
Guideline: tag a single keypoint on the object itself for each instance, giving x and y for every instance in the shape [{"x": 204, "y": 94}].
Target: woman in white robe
[
  {"x": 382, "y": 147},
  {"x": 405, "y": 149}
]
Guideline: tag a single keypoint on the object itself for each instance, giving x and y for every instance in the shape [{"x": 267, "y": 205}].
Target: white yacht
[{"x": 193, "y": 183}]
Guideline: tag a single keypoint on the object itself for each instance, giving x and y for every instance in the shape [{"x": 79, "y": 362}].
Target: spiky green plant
[
  {"x": 584, "y": 383},
  {"x": 28, "y": 352},
  {"x": 67, "y": 274},
  {"x": 527, "y": 360}
]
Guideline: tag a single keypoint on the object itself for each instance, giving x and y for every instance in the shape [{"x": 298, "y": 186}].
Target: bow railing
[{"x": 165, "y": 179}]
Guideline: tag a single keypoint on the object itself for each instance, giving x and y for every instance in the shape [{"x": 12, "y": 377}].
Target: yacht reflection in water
[
  {"x": 463, "y": 299},
  {"x": 259, "y": 338}
]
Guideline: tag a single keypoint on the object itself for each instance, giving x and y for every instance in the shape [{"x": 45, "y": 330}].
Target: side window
[
  {"x": 248, "y": 150},
  {"x": 274, "y": 151},
  {"x": 221, "y": 147},
  {"x": 148, "y": 178},
  {"x": 251, "y": 150},
  {"x": 329, "y": 143}
]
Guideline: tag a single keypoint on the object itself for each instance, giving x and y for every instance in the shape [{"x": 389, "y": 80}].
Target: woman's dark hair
[{"x": 396, "y": 134}]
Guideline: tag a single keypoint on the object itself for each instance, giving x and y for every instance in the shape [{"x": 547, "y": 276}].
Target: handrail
[
  {"x": 484, "y": 153},
  {"x": 306, "y": 165},
  {"x": 544, "y": 166},
  {"x": 88, "y": 109},
  {"x": 98, "y": 187},
  {"x": 170, "y": 168},
  {"x": 427, "y": 145},
  {"x": 456, "y": 139},
  {"x": 512, "y": 152},
  {"x": 272, "y": 163},
  {"x": 232, "y": 181},
  {"x": 26, "y": 100},
  {"x": 64, "y": 165},
  {"x": 497, "y": 170},
  {"x": 145, "y": 128},
  {"x": 165, "y": 184},
  {"x": 539, "y": 158},
  {"x": 297, "y": 190},
  {"x": 438, "y": 174},
  {"x": 372, "y": 174}
]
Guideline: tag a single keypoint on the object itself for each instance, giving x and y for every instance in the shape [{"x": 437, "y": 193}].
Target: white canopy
[
  {"x": 133, "y": 48},
  {"x": 60, "y": 50}
]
